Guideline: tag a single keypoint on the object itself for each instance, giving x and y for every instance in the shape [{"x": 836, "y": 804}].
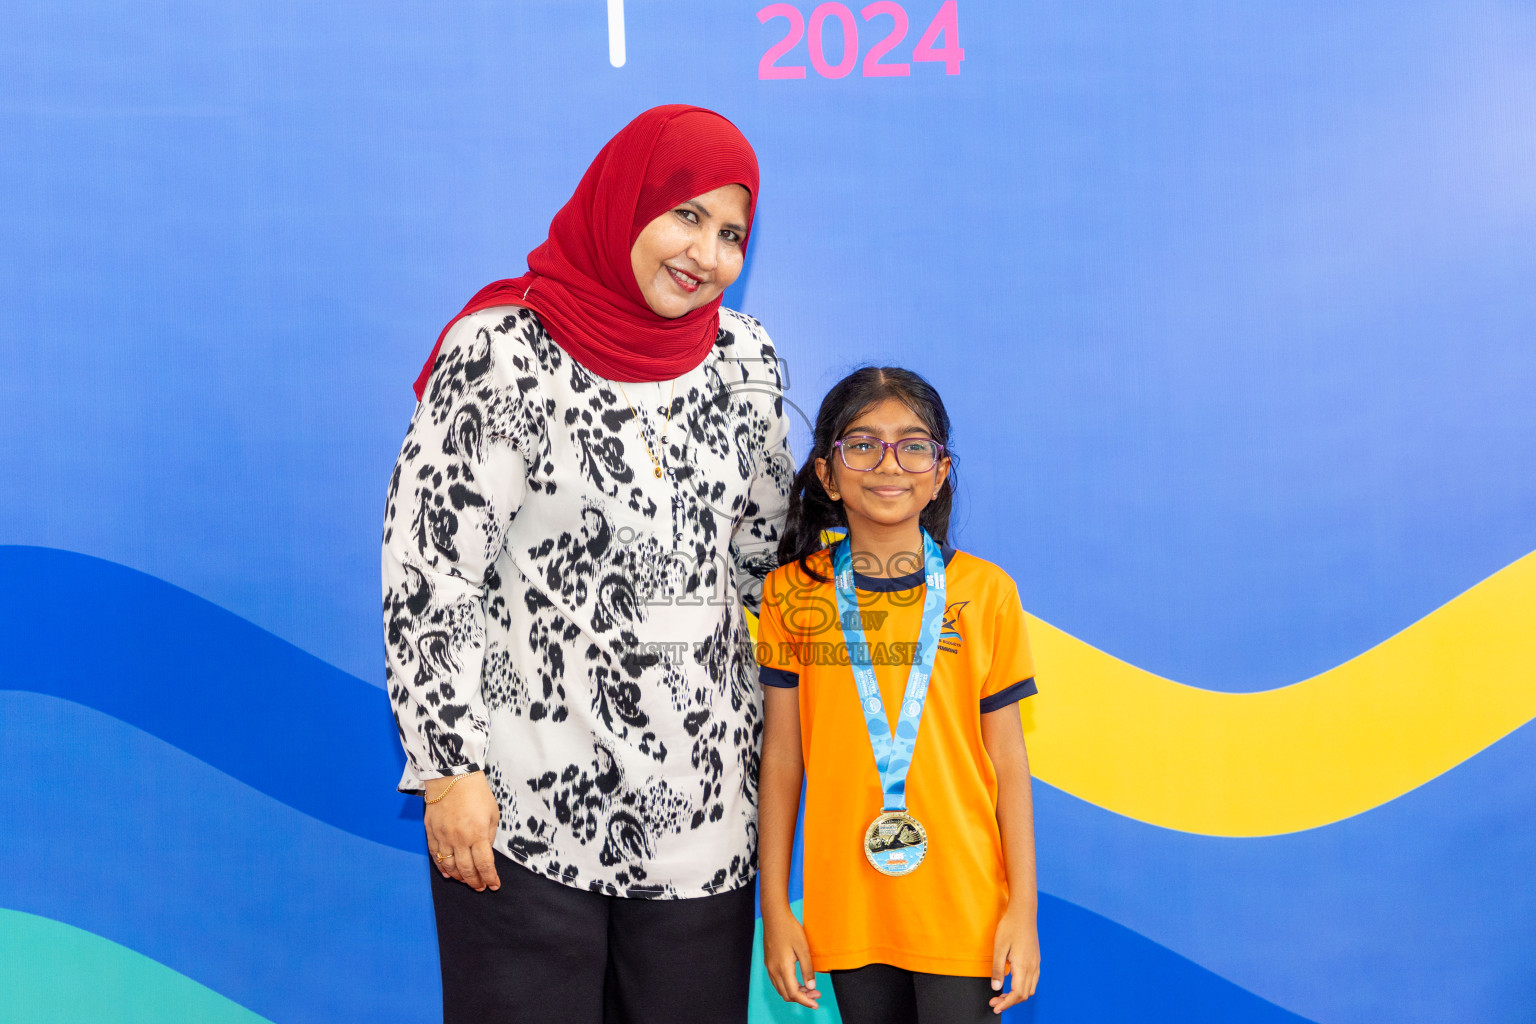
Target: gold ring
[{"x": 443, "y": 856}]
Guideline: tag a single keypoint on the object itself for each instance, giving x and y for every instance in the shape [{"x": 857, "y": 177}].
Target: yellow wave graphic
[{"x": 1300, "y": 756}]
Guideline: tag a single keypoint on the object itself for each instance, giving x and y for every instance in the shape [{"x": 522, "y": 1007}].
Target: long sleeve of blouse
[{"x": 460, "y": 478}]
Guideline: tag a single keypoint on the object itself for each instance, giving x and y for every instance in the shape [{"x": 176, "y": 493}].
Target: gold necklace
[{"x": 640, "y": 427}]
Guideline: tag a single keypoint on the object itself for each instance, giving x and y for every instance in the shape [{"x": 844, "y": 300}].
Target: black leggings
[
  {"x": 538, "y": 952},
  {"x": 882, "y": 994}
]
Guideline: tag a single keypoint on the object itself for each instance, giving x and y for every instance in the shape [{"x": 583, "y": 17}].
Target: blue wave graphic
[
  {"x": 1420, "y": 911},
  {"x": 303, "y": 922},
  {"x": 207, "y": 681},
  {"x": 1093, "y": 969},
  {"x": 1096, "y": 971},
  {"x": 114, "y": 831},
  {"x": 1332, "y": 923}
]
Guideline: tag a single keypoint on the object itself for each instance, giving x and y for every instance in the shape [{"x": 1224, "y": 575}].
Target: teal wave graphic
[{"x": 52, "y": 973}]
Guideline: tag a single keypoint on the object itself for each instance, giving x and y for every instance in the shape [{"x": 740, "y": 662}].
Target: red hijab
[{"x": 580, "y": 280}]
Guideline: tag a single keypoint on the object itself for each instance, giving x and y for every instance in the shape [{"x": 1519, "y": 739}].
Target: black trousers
[
  {"x": 882, "y": 994},
  {"x": 538, "y": 952}
]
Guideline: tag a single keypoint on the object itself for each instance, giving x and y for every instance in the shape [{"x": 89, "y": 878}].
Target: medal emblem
[{"x": 895, "y": 843}]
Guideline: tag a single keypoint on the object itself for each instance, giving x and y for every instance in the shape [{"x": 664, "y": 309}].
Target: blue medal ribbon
[{"x": 893, "y": 754}]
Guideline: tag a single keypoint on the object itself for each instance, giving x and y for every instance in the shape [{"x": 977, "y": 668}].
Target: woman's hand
[
  {"x": 784, "y": 945},
  {"x": 1017, "y": 949},
  {"x": 460, "y": 828}
]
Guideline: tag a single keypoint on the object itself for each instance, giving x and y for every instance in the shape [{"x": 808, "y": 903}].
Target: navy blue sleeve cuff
[
  {"x": 1002, "y": 698},
  {"x": 777, "y": 677}
]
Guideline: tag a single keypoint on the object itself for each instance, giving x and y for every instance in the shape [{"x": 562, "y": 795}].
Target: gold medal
[{"x": 895, "y": 843}]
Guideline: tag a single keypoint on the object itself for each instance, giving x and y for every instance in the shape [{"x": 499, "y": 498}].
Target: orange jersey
[{"x": 942, "y": 918}]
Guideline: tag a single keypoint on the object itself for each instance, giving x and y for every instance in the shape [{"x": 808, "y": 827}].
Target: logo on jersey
[{"x": 949, "y": 637}]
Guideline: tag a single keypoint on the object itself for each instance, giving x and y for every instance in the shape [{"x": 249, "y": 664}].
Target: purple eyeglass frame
[{"x": 887, "y": 446}]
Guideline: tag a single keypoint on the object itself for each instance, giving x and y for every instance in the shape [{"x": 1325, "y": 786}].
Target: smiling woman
[
  {"x": 599, "y": 445},
  {"x": 689, "y": 256}
]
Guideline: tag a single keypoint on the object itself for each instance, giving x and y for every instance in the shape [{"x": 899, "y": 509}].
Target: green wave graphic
[{"x": 54, "y": 973}]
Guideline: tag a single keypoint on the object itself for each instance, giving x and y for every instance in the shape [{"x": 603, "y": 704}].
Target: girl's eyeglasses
[{"x": 862, "y": 453}]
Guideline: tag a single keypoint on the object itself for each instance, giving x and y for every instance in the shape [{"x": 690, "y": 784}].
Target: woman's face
[{"x": 686, "y": 257}]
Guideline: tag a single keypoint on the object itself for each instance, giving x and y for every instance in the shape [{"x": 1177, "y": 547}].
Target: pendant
[
  {"x": 658, "y": 472},
  {"x": 895, "y": 843}
]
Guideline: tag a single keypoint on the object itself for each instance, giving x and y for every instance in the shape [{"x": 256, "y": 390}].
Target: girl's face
[
  {"x": 686, "y": 257},
  {"x": 887, "y": 495}
]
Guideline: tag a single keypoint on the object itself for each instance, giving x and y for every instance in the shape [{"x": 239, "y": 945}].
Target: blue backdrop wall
[{"x": 1232, "y": 305}]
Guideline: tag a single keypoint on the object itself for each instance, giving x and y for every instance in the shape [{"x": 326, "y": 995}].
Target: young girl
[{"x": 892, "y": 668}]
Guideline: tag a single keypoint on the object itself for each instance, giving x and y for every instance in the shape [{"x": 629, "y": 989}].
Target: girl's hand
[
  {"x": 1016, "y": 948},
  {"x": 460, "y": 828},
  {"x": 784, "y": 945}
]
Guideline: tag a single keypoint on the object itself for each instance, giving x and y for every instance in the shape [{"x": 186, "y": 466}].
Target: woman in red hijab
[{"x": 590, "y": 489}]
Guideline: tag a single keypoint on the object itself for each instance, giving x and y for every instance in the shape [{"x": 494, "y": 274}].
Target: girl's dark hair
[{"x": 811, "y": 509}]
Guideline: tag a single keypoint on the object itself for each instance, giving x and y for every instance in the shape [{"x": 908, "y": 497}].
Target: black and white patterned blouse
[{"x": 562, "y": 618}]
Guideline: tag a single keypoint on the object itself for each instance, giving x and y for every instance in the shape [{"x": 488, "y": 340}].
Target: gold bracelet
[{"x": 446, "y": 790}]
